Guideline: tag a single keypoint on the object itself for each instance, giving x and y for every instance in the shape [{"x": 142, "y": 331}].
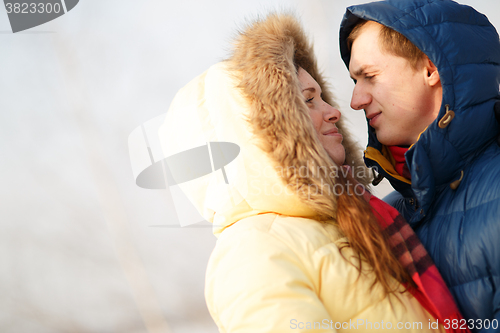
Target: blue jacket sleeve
[{"x": 396, "y": 200}]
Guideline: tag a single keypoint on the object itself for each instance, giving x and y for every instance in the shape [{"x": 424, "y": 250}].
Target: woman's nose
[
  {"x": 331, "y": 114},
  {"x": 360, "y": 98}
]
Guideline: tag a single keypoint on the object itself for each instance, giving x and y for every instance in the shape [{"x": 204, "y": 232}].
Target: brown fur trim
[{"x": 264, "y": 57}]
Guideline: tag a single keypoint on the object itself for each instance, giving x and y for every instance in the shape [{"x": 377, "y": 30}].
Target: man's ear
[{"x": 431, "y": 72}]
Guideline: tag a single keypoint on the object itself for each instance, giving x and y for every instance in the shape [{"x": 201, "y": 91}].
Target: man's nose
[{"x": 360, "y": 98}]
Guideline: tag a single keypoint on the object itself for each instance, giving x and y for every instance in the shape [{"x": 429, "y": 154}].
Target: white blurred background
[{"x": 80, "y": 246}]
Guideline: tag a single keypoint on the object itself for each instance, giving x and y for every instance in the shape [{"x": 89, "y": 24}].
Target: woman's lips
[{"x": 333, "y": 132}]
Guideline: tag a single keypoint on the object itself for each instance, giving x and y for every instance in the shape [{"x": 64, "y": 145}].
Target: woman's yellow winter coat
[{"x": 277, "y": 265}]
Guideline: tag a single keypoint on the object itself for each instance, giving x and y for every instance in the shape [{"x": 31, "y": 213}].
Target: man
[{"x": 427, "y": 76}]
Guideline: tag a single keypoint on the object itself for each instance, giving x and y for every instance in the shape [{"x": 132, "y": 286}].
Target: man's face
[{"x": 395, "y": 97}]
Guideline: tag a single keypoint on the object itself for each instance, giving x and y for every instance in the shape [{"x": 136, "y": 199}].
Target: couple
[{"x": 307, "y": 251}]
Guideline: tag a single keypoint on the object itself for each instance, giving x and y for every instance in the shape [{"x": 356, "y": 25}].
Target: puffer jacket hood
[
  {"x": 465, "y": 48},
  {"x": 254, "y": 100},
  {"x": 457, "y": 225}
]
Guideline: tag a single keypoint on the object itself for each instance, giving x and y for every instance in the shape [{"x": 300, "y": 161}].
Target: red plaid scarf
[{"x": 431, "y": 292}]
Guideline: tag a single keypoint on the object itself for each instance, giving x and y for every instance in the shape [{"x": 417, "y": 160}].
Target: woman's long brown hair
[{"x": 369, "y": 242}]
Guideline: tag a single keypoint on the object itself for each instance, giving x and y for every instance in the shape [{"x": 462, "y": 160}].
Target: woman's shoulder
[
  {"x": 301, "y": 234},
  {"x": 289, "y": 246}
]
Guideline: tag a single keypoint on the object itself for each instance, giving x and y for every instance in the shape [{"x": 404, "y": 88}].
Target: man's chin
[{"x": 387, "y": 139}]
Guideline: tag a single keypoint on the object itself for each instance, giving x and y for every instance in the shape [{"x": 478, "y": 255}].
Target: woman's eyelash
[{"x": 309, "y": 100}]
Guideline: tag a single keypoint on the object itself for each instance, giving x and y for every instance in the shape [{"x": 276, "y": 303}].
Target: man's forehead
[
  {"x": 362, "y": 61},
  {"x": 369, "y": 34},
  {"x": 363, "y": 48}
]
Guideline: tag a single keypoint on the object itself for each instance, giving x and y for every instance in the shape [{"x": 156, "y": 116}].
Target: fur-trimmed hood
[{"x": 254, "y": 100}]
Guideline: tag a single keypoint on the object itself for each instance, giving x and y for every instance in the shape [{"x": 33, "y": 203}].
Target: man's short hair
[{"x": 390, "y": 41}]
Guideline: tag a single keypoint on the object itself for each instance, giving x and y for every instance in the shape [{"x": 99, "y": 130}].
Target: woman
[{"x": 291, "y": 223}]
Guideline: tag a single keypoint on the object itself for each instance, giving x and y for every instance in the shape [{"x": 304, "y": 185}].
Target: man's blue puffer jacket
[{"x": 459, "y": 227}]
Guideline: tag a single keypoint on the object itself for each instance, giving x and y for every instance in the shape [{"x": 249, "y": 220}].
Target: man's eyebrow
[{"x": 359, "y": 71}]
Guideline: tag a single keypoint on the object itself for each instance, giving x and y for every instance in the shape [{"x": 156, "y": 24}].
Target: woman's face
[{"x": 324, "y": 116}]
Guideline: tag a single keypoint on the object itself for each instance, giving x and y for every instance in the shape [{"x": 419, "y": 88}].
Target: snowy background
[{"x": 80, "y": 246}]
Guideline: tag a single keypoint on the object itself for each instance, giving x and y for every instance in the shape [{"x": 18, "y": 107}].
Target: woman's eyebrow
[{"x": 311, "y": 89}]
